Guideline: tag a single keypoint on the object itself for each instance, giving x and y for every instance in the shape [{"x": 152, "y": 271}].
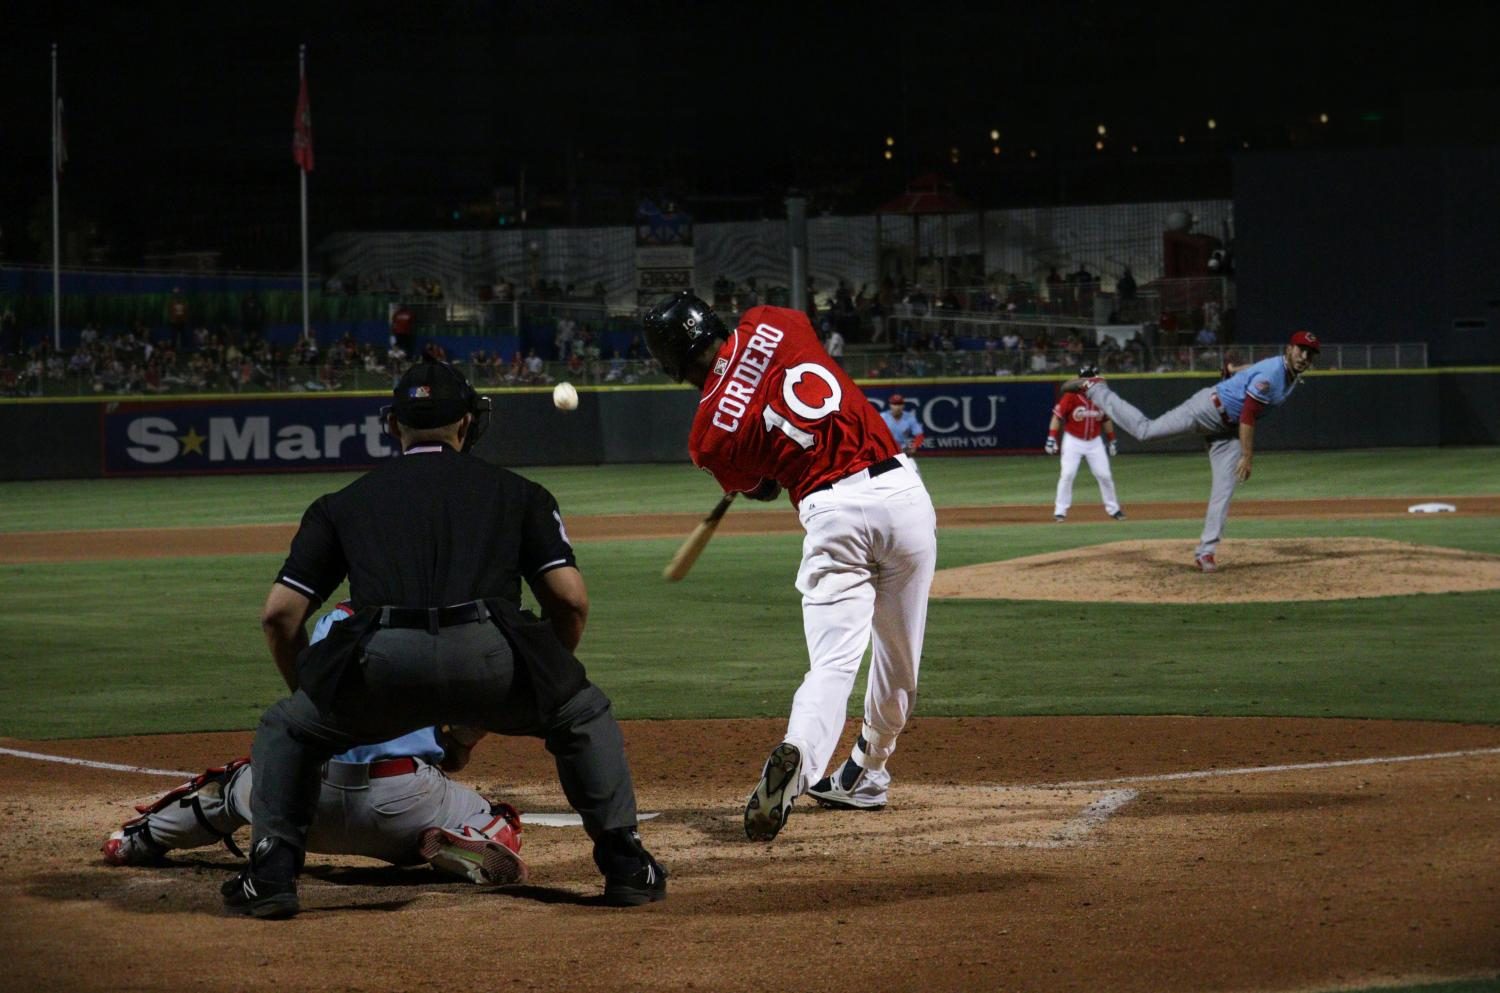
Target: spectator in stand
[
  {"x": 536, "y": 369},
  {"x": 1054, "y": 289},
  {"x": 403, "y": 325},
  {"x": 562, "y": 340},
  {"x": 834, "y": 345},
  {"x": 1205, "y": 338},
  {"x": 177, "y": 317},
  {"x": 1125, "y": 286}
]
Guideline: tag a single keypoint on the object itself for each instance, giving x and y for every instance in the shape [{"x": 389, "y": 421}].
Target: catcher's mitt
[{"x": 457, "y": 743}]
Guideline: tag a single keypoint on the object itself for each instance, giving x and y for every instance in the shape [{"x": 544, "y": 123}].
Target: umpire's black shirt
[{"x": 431, "y": 528}]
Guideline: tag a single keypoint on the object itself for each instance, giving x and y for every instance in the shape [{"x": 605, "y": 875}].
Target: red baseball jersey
[
  {"x": 776, "y": 406},
  {"x": 1079, "y": 416}
]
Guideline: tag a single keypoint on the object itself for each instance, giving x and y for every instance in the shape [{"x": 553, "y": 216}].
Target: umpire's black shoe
[
  {"x": 646, "y": 885},
  {"x": 268, "y": 886},
  {"x": 631, "y": 876}
]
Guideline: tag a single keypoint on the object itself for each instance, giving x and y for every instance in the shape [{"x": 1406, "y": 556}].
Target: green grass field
[{"x": 159, "y": 645}]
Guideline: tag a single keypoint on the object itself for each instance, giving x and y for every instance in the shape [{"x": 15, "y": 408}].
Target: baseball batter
[
  {"x": 776, "y": 412},
  {"x": 388, "y": 801},
  {"x": 1084, "y": 430},
  {"x": 1225, "y": 415},
  {"x": 902, "y": 422}
]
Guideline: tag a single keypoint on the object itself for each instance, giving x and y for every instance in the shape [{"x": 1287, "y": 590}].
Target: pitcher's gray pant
[
  {"x": 1198, "y": 414},
  {"x": 411, "y": 679}
]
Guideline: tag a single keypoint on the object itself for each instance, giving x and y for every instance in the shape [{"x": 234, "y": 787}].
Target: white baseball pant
[
  {"x": 867, "y": 564},
  {"x": 1075, "y": 450}
]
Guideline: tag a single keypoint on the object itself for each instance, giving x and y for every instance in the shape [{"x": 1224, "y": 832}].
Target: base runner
[{"x": 1084, "y": 429}]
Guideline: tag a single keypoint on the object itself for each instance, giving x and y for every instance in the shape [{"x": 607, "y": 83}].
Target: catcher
[{"x": 389, "y": 801}]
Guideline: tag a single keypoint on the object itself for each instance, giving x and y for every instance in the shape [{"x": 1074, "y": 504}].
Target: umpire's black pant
[{"x": 411, "y": 679}]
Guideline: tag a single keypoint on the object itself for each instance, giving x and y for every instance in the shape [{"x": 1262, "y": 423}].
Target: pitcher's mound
[{"x": 1279, "y": 569}]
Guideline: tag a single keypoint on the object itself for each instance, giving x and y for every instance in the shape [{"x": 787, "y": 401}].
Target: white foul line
[
  {"x": 1250, "y": 770},
  {"x": 95, "y": 765},
  {"x": 542, "y": 820}
]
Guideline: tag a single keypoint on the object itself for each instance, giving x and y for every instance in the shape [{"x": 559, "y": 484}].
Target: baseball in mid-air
[{"x": 565, "y": 397}]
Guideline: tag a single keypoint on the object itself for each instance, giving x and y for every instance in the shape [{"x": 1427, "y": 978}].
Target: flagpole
[
  {"x": 306, "y": 321},
  {"x": 56, "y": 224}
]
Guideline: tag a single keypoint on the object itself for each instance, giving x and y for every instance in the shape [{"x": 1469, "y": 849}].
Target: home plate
[{"x": 569, "y": 820}]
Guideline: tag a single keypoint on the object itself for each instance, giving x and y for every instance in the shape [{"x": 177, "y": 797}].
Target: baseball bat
[{"x": 693, "y": 546}]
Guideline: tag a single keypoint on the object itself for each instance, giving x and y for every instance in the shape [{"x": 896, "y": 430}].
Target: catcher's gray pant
[
  {"x": 409, "y": 679},
  {"x": 1198, "y": 414},
  {"x": 377, "y": 818}
]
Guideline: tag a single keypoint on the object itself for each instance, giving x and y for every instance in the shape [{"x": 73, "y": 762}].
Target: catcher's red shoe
[{"x": 489, "y": 857}]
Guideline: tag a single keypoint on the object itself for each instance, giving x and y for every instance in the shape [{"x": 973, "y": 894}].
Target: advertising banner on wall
[
  {"x": 980, "y": 418},
  {"x": 243, "y": 435}
]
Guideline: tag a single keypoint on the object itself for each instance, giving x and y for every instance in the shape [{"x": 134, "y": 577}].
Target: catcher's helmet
[{"x": 679, "y": 328}]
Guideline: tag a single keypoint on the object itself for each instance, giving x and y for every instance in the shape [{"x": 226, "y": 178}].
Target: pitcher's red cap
[{"x": 1306, "y": 339}]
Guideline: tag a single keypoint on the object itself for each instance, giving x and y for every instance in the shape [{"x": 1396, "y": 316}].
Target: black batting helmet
[
  {"x": 680, "y": 328},
  {"x": 1088, "y": 372}
]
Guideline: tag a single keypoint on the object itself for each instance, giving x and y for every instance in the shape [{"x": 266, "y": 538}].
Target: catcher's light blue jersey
[
  {"x": 422, "y": 744},
  {"x": 1268, "y": 381}
]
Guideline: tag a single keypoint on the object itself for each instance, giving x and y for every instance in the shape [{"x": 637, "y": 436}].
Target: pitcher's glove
[
  {"x": 1051, "y": 446},
  {"x": 767, "y": 491}
]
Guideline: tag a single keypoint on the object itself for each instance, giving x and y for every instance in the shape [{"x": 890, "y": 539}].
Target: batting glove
[
  {"x": 1051, "y": 446},
  {"x": 1113, "y": 449}
]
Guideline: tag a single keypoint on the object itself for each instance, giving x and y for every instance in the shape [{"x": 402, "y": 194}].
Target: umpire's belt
[
  {"x": 878, "y": 469},
  {"x": 432, "y": 618}
]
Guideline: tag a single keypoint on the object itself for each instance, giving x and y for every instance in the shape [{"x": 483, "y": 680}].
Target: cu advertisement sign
[
  {"x": 243, "y": 436},
  {"x": 981, "y": 418}
]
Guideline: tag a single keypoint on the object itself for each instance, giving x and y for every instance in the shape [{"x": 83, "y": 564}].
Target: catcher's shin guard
[{"x": 199, "y": 812}]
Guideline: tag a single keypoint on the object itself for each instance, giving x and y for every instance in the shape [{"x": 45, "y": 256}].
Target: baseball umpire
[
  {"x": 1225, "y": 415},
  {"x": 387, "y": 801},
  {"x": 777, "y": 413},
  {"x": 435, "y": 544}
]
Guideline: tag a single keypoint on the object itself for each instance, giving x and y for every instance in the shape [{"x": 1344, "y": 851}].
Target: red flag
[{"x": 302, "y": 142}]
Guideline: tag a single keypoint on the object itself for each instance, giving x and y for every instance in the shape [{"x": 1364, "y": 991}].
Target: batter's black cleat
[
  {"x": 267, "y": 888},
  {"x": 631, "y": 876},
  {"x": 771, "y": 804}
]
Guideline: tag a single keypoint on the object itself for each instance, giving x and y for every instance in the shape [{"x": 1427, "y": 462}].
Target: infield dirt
[{"x": 1262, "y": 864}]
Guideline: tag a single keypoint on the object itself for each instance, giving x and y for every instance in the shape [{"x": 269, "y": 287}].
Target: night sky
[{"x": 179, "y": 124}]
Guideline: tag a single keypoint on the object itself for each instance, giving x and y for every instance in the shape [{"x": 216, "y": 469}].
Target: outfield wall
[{"x": 57, "y": 439}]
